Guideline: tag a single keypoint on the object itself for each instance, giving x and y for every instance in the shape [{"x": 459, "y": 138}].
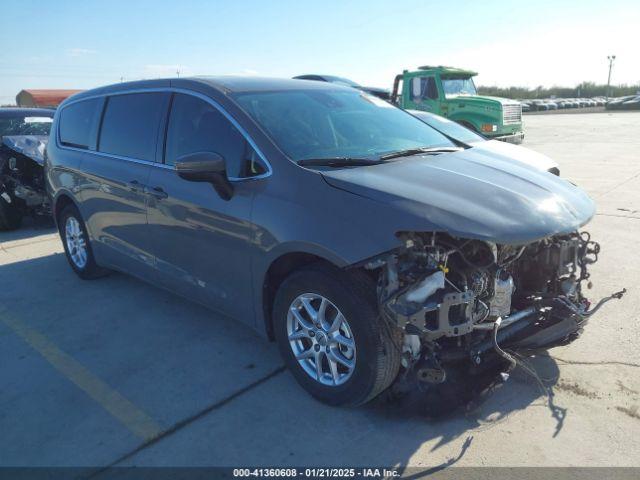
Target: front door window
[{"x": 197, "y": 126}]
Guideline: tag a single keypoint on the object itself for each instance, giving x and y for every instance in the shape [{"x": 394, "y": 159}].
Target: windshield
[
  {"x": 25, "y": 126},
  {"x": 448, "y": 127},
  {"x": 312, "y": 124},
  {"x": 458, "y": 86}
]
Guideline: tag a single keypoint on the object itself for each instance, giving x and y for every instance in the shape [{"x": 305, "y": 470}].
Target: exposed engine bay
[
  {"x": 469, "y": 302},
  {"x": 22, "y": 178}
]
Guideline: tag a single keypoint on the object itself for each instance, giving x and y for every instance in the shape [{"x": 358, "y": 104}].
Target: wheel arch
[
  {"x": 472, "y": 120},
  {"x": 62, "y": 200},
  {"x": 469, "y": 125},
  {"x": 279, "y": 269}
]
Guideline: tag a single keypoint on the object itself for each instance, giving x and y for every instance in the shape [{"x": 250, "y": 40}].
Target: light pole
[{"x": 611, "y": 58}]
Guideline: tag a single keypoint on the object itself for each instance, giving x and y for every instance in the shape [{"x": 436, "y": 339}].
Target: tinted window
[
  {"x": 130, "y": 125},
  {"x": 430, "y": 90},
  {"x": 424, "y": 87},
  {"x": 197, "y": 126},
  {"x": 337, "y": 123},
  {"x": 78, "y": 123}
]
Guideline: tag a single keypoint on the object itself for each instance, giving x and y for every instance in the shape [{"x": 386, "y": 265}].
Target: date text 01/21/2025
[{"x": 317, "y": 472}]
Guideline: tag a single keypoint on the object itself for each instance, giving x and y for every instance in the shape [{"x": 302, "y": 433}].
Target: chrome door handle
[{"x": 158, "y": 193}]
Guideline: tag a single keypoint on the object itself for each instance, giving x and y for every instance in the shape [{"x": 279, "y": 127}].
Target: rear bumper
[{"x": 516, "y": 138}]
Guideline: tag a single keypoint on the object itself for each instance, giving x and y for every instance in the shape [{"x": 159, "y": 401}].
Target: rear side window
[
  {"x": 130, "y": 125},
  {"x": 197, "y": 126},
  {"x": 78, "y": 122}
]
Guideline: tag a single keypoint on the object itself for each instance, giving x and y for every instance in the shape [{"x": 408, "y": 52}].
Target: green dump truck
[{"x": 450, "y": 92}]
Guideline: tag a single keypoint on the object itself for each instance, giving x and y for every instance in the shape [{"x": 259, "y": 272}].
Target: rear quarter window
[
  {"x": 78, "y": 122},
  {"x": 130, "y": 125}
]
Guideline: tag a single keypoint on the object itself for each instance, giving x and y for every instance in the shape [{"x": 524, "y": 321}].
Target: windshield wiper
[
  {"x": 419, "y": 151},
  {"x": 338, "y": 162}
]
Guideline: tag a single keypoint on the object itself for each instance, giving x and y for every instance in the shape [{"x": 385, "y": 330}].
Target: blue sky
[{"x": 83, "y": 44}]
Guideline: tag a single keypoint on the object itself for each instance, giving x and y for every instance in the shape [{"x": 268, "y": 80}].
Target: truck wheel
[
  {"x": 77, "y": 246},
  {"x": 331, "y": 336},
  {"x": 10, "y": 214}
]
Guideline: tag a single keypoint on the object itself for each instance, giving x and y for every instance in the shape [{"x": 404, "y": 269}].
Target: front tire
[
  {"x": 77, "y": 246},
  {"x": 331, "y": 336},
  {"x": 10, "y": 214}
]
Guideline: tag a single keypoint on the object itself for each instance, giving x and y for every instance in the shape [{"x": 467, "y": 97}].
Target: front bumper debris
[{"x": 469, "y": 305}]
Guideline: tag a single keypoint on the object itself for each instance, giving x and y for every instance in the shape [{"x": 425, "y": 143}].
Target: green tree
[{"x": 584, "y": 89}]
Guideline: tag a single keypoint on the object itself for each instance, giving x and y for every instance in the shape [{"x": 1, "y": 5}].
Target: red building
[{"x": 43, "y": 98}]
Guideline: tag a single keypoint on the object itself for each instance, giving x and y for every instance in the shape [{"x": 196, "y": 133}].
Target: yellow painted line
[{"x": 137, "y": 421}]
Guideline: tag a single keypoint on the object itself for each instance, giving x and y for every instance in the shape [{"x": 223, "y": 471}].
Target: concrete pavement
[{"x": 115, "y": 371}]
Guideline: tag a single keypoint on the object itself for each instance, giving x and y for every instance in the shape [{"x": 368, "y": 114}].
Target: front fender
[
  {"x": 475, "y": 119},
  {"x": 342, "y": 228}
]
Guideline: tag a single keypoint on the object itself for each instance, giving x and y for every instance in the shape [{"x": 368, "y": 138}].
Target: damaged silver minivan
[{"x": 374, "y": 249}]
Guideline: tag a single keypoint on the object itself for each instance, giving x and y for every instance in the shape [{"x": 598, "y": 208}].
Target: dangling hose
[{"x": 502, "y": 353}]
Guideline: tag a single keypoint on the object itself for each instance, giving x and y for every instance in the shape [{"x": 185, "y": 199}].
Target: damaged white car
[{"x": 24, "y": 133}]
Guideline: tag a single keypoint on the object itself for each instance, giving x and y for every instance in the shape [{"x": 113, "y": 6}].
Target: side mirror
[{"x": 205, "y": 167}]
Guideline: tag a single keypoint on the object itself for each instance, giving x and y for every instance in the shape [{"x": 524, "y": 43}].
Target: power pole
[{"x": 611, "y": 58}]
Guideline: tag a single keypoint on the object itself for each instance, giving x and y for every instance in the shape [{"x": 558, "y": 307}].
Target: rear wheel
[
  {"x": 331, "y": 336},
  {"x": 10, "y": 213},
  {"x": 77, "y": 246}
]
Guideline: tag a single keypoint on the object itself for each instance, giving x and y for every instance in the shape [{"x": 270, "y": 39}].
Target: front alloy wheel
[
  {"x": 331, "y": 335},
  {"x": 321, "y": 339}
]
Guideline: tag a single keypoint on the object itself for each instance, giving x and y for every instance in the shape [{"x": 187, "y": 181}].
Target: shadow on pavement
[
  {"x": 173, "y": 360},
  {"x": 31, "y": 227},
  {"x": 473, "y": 404}
]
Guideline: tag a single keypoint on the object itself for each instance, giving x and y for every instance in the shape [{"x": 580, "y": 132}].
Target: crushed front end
[
  {"x": 468, "y": 303},
  {"x": 22, "y": 189}
]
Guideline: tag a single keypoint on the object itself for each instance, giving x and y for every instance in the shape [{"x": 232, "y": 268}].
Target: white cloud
[
  {"x": 247, "y": 72},
  {"x": 166, "y": 70},
  {"x": 80, "y": 52},
  {"x": 546, "y": 55},
  {"x": 564, "y": 56}
]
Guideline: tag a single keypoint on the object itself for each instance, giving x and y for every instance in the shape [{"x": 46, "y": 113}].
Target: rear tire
[
  {"x": 77, "y": 245},
  {"x": 10, "y": 214},
  {"x": 374, "y": 358}
]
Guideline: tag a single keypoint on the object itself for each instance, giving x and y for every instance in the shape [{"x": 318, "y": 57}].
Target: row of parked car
[
  {"x": 629, "y": 102},
  {"x": 561, "y": 103}
]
